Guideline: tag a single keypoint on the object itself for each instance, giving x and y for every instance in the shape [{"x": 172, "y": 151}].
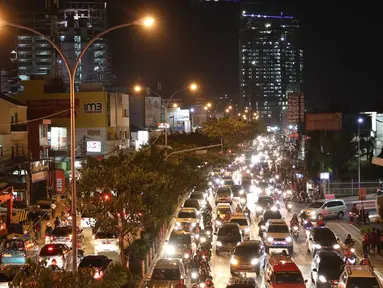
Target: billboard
[
  {"x": 296, "y": 108},
  {"x": 39, "y": 108},
  {"x": 93, "y": 146},
  {"x": 323, "y": 121}
]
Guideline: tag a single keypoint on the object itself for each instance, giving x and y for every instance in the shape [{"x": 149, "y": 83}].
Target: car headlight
[
  {"x": 202, "y": 240},
  {"x": 194, "y": 275},
  {"x": 234, "y": 261},
  {"x": 210, "y": 183},
  {"x": 178, "y": 224},
  {"x": 202, "y": 285},
  {"x": 336, "y": 246},
  {"x": 247, "y": 229},
  {"x": 241, "y": 192},
  {"x": 219, "y": 244},
  {"x": 186, "y": 256},
  {"x": 312, "y": 213},
  {"x": 243, "y": 201},
  {"x": 277, "y": 202},
  {"x": 196, "y": 236},
  {"x": 317, "y": 246},
  {"x": 352, "y": 250},
  {"x": 170, "y": 250},
  {"x": 313, "y": 217},
  {"x": 289, "y": 206},
  {"x": 263, "y": 227},
  {"x": 288, "y": 239},
  {"x": 322, "y": 279},
  {"x": 259, "y": 209},
  {"x": 254, "y": 261},
  {"x": 218, "y": 222},
  {"x": 193, "y": 224},
  {"x": 295, "y": 228},
  {"x": 208, "y": 232},
  {"x": 270, "y": 239},
  {"x": 217, "y": 180}
]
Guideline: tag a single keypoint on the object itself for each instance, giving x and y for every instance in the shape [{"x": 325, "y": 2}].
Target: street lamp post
[
  {"x": 360, "y": 121},
  {"x": 72, "y": 74}
]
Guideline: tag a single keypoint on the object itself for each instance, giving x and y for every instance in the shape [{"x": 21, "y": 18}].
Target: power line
[{"x": 36, "y": 119}]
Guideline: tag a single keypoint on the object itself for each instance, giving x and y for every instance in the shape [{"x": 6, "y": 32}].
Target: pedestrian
[
  {"x": 37, "y": 228},
  {"x": 379, "y": 237},
  {"x": 373, "y": 240},
  {"x": 365, "y": 243},
  {"x": 48, "y": 229},
  {"x": 57, "y": 222},
  {"x": 53, "y": 209}
]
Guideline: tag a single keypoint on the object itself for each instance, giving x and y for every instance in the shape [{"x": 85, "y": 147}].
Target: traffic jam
[{"x": 250, "y": 228}]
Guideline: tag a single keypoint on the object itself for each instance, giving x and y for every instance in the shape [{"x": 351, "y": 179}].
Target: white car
[
  {"x": 187, "y": 218},
  {"x": 105, "y": 242},
  {"x": 277, "y": 235},
  {"x": 331, "y": 208},
  {"x": 87, "y": 221},
  {"x": 243, "y": 223},
  {"x": 59, "y": 252}
]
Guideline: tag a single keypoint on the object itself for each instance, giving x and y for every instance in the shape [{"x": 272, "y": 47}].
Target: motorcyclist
[
  {"x": 365, "y": 261},
  {"x": 204, "y": 267},
  {"x": 194, "y": 264},
  {"x": 246, "y": 210},
  {"x": 284, "y": 253},
  {"x": 209, "y": 282},
  {"x": 261, "y": 223},
  {"x": 354, "y": 209},
  {"x": 348, "y": 241},
  {"x": 294, "y": 221},
  {"x": 181, "y": 284},
  {"x": 197, "y": 229},
  {"x": 238, "y": 208},
  {"x": 307, "y": 224},
  {"x": 303, "y": 216},
  {"x": 208, "y": 207},
  {"x": 54, "y": 266},
  {"x": 320, "y": 222}
]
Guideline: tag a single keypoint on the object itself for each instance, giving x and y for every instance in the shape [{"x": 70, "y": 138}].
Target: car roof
[
  {"x": 188, "y": 209},
  {"x": 242, "y": 280},
  {"x": 327, "y": 200},
  {"x": 167, "y": 263},
  {"x": 250, "y": 243},
  {"x": 230, "y": 224},
  {"x": 324, "y": 253},
  {"x": 179, "y": 232},
  {"x": 238, "y": 215},
  {"x": 355, "y": 271},
  {"x": 219, "y": 205},
  {"x": 283, "y": 263},
  {"x": 276, "y": 222}
]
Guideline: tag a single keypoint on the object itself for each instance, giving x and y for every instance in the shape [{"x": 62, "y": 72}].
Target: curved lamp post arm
[
  {"x": 57, "y": 48},
  {"x": 99, "y": 35}
]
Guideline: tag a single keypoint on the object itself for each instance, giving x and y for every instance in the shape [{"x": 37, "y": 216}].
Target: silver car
[
  {"x": 166, "y": 273},
  {"x": 331, "y": 208}
]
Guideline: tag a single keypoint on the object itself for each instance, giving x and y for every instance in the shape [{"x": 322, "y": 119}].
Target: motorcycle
[
  {"x": 295, "y": 232},
  {"x": 194, "y": 275},
  {"x": 243, "y": 201},
  {"x": 352, "y": 216},
  {"x": 289, "y": 206},
  {"x": 350, "y": 257}
]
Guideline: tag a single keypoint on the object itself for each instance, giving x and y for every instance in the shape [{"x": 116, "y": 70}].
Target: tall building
[
  {"x": 271, "y": 63},
  {"x": 70, "y": 24}
]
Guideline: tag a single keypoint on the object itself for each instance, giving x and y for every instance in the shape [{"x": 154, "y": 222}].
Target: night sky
[{"x": 343, "y": 57}]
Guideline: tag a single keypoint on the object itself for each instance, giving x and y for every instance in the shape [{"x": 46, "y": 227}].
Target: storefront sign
[
  {"x": 93, "y": 108},
  {"x": 93, "y": 146},
  {"x": 59, "y": 185}
]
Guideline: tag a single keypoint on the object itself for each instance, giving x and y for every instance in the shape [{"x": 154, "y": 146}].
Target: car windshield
[
  {"x": 187, "y": 215},
  {"x": 330, "y": 264},
  {"x": 223, "y": 192},
  {"x": 62, "y": 231},
  {"x": 48, "y": 250},
  {"x": 229, "y": 231},
  {"x": 191, "y": 203},
  {"x": 14, "y": 245},
  {"x": 362, "y": 282},
  {"x": 105, "y": 235},
  {"x": 278, "y": 229},
  {"x": 324, "y": 236},
  {"x": 198, "y": 196},
  {"x": 176, "y": 238},
  {"x": 241, "y": 222},
  {"x": 166, "y": 274},
  {"x": 272, "y": 215},
  {"x": 288, "y": 277},
  {"x": 223, "y": 210},
  {"x": 246, "y": 180},
  {"x": 263, "y": 201},
  {"x": 228, "y": 182},
  {"x": 248, "y": 250},
  {"x": 263, "y": 185},
  {"x": 316, "y": 205},
  {"x": 91, "y": 262},
  {"x": 241, "y": 286}
]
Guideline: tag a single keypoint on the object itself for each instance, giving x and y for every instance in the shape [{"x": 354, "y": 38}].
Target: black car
[
  {"x": 321, "y": 238},
  {"x": 99, "y": 263},
  {"x": 271, "y": 214},
  {"x": 198, "y": 195},
  {"x": 249, "y": 256},
  {"x": 228, "y": 237},
  {"x": 242, "y": 282},
  {"x": 237, "y": 190},
  {"x": 262, "y": 203},
  {"x": 192, "y": 203},
  {"x": 326, "y": 269}
]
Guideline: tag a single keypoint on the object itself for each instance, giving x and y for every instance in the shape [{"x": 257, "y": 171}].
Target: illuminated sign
[
  {"x": 93, "y": 146},
  {"x": 93, "y": 108}
]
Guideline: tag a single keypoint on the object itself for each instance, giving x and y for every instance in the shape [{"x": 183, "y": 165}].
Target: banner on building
[
  {"x": 323, "y": 121},
  {"x": 296, "y": 108}
]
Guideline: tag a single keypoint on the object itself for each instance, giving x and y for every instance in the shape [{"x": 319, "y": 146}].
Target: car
[
  {"x": 200, "y": 196},
  {"x": 326, "y": 268},
  {"x": 87, "y": 221},
  {"x": 359, "y": 276},
  {"x": 262, "y": 203},
  {"x": 224, "y": 212},
  {"x": 242, "y": 282},
  {"x": 272, "y": 213},
  {"x": 100, "y": 264},
  {"x": 277, "y": 235},
  {"x": 7, "y": 274},
  {"x": 243, "y": 223},
  {"x": 321, "y": 238},
  {"x": 178, "y": 243},
  {"x": 237, "y": 190},
  {"x": 59, "y": 252},
  {"x": 224, "y": 195},
  {"x": 331, "y": 208},
  {"x": 187, "y": 219},
  {"x": 246, "y": 183},
  {"x": 105, "y": 242},
  {"x": 249, "y": 256},
  {"x": 167, "y": 273},
  {"x": 16, "y": 251},
  {"x": 192, "y": 203},
  {"x": 63, "y": 235},
  {"x": 281, "y": 271},
  {"x": 228, "y": 237}
]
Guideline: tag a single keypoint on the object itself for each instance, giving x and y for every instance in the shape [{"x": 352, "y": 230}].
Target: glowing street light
[
  {"x": 193, "y": 86},
  {"x": 230, "y": 107},
  {"x": 208, "y": 105},
  {"x": 206, "y": 108},
  {"x": 148, "y": 21},
  {"x": 227, "y": 110},
  {"x": 239, "y": 114},
  {"x": 137, "y": 88},
  {"x": 175, "y": 105}
]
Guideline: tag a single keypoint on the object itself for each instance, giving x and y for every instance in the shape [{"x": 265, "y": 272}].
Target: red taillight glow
[
  {"x": 98, "y": 274},
  {"x": 50, "y": 248}
]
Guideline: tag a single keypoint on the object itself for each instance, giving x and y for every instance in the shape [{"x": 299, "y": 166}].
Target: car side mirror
[
  {"x": 311, "y": 239},
  {"x": 215, "y": 233},
  {"x": 337, "y": 239},
  {"x": 315, "y": 270},
  {"x": 268, "y": 281},
  {"x": 306, "y": 281}
]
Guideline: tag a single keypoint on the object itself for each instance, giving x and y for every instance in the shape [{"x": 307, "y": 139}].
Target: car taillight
[
  {"x": 53, "y": 238},
  {"x": 69, "y": 237},
  {"x": 98, "y": 274}
]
